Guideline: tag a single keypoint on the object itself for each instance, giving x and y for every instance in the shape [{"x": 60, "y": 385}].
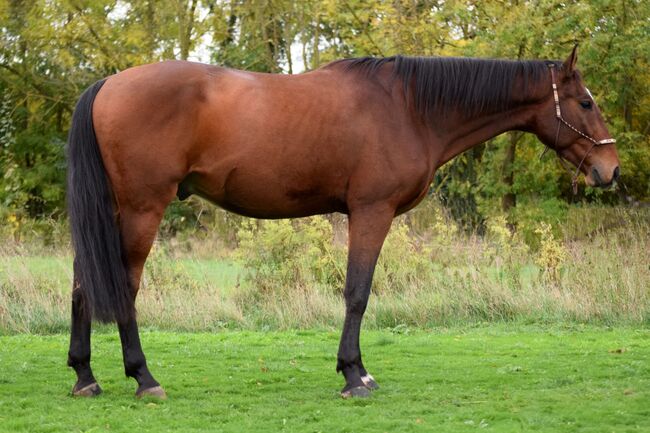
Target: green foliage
[
  {"x": 533, "y": 212},
  {"x": 178, "y": 216},
  {"x": 404, "y": 262},
  {"x": 291, "y": 255},
  {"x": 508, "y": 246},
  {"x": 285, "y": 256},
  {"x": 163, "y": 274},
  {"x": 458, "y": 190},
  {"x": 52, "y": 50}
]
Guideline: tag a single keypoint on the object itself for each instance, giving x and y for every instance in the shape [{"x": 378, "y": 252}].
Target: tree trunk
[
  {"x": 315, "y": 61},
  {"x": 509, "y": 200},
  {"x": 185, "y": 27}
]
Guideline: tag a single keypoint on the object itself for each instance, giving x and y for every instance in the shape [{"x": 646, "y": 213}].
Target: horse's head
[{"x": 570, "y": 123}]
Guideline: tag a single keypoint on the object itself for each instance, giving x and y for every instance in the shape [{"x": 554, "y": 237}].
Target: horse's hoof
[
  {"x": 155, "y": 391},
  {"x": 369, "y": 382},
  {"x": 87, "y": 391},
  {"x": 357, "y": 391}
]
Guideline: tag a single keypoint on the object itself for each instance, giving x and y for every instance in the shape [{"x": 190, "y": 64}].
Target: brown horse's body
[
  {"x": 361, "y": 137},
  {"x": 264, "y": 146}
]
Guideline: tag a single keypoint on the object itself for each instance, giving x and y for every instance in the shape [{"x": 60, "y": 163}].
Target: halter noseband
[{"x": 560, "y": 121}]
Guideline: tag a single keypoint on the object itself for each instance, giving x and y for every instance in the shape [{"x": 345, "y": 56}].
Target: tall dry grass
[{"x": 289, "y": 274}]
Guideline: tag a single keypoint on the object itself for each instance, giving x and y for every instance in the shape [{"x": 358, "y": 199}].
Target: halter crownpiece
[{"x": 560, "y": 121}]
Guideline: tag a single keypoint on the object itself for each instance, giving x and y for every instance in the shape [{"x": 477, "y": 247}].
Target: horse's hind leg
[
  {"x": 135, "y": 364},
  {"x": 138, "y": 231},
  {"x": 79, "y": 353}
]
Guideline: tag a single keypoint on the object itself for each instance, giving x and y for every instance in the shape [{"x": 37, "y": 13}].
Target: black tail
[{"x": 99, "y": 266}]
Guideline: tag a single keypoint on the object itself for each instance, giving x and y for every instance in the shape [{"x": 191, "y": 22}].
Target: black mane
[{"x": 439, "y": 84}]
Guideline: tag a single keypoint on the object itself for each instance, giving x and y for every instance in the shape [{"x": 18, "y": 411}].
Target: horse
[{"x": 362, "y": 136}]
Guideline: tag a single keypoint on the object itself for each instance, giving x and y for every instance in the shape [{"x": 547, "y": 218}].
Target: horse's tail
[{"x": 99, "y": 266}]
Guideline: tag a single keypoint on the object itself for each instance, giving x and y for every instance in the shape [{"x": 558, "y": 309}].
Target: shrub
[
  {"x": 505, "y": 245},
  {"x": 404, "y": 261},
  {"x": 552, "y": 253},
  {"x": 283, "y": 254}
]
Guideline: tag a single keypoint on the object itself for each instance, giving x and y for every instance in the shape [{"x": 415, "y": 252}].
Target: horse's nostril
[
  {"x": 617, "y": 173},
  {"x": 596, "y": 176}
]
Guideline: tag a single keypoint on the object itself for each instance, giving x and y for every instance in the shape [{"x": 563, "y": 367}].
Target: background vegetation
[
  {"x": 289, "y": 274},
  {"x": 500, "y": 238},
  {"x": 51, "y": 50}
]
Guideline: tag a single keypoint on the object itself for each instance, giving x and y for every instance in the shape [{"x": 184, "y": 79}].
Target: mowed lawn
[{"x": 493, "y": 378}]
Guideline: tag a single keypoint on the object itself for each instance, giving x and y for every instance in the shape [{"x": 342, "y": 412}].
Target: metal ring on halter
[{"x": 560, "y": 121}]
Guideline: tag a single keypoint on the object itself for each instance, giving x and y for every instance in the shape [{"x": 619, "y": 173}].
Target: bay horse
[{"x": 361, "y": 136}]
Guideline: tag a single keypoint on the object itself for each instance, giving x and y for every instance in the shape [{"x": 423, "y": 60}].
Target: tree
[{"x": 51, "y": 50}]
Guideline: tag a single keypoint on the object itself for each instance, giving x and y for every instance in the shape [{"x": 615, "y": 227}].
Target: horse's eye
[{"x": 586, "y": 105}]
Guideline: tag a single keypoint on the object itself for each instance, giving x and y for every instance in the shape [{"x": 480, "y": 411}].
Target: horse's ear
[{"x": 570, "y": 63}]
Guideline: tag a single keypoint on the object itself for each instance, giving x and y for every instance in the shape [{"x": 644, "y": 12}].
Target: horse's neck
[{"x": 461, "y": 134}]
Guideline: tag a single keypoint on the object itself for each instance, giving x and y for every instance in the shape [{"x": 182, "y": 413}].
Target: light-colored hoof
[
  {"x": 369, "y": 382},
  {"x": 87, "y": 391},
  {"x": 156, "y": 392},
  {"x": 359, "y": 391}
]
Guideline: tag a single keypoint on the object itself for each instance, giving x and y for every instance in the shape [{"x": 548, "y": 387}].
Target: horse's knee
[{"x": 356, "y": 303}]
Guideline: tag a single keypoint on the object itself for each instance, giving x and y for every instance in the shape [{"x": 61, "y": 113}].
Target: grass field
[
  {"x": 492, "y": 378},
  {"x": 283, "y": 275},
  {"x": 463, "y": 332}
]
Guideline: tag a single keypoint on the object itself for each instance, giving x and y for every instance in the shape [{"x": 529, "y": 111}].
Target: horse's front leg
[{"x": 367, "y": 230}]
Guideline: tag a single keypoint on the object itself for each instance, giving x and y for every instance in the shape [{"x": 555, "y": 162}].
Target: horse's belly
[
  {"x": 266, "y": 195},
  {"x": 297, "y": 210}
]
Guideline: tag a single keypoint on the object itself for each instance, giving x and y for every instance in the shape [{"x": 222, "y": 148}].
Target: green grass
[
  {"x": 58, "y": 269},
  {"x": 492, "y": 378},
  {"x": 226, "y": 273}
]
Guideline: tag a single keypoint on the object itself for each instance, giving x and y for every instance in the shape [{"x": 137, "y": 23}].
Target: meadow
[
  {"x": 279, "y": 275},
  {"x": 545, "y": 329},
  {"x": 493, "y": 378}
]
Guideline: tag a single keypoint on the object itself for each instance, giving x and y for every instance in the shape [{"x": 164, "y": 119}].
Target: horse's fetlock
[
  {"x": 343, "y": 365},
  {"x": 76, "y": 359},
  {"x": 132, "y": 368}
]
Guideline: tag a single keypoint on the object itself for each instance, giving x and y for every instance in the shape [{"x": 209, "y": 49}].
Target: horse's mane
[{"x": 439, "y": 84}]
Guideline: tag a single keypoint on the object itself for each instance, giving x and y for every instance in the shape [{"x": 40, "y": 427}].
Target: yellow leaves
[
  {"x": 552, "y": 253},
  {"x": 505, "y": 246},
  {"x": 14, "y": 225},
  {"x": 444, "y": 228}
]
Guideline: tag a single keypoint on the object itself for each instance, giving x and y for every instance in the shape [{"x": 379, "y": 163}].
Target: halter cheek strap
[{"x": 562, "y": 121}]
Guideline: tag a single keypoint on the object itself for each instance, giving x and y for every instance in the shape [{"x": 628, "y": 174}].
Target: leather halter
[{"x": 562, "y": 121}]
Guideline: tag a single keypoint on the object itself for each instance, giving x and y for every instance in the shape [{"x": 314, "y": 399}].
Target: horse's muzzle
[{"x": 601, "y": 182}]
